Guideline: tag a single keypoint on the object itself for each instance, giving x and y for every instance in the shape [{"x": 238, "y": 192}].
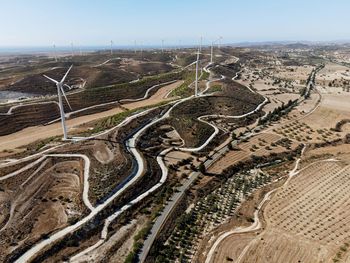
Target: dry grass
[
  {"x": 262, "y": 144},
  {"x": 306, "y": 221}
]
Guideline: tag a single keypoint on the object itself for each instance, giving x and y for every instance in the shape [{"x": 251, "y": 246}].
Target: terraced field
[
  {"x": 260, "y": 145},
  {"x": 213, "y": 210},
  {"x": 306, "y": 220},
  {"x": 160, "y": 165},
  {"x": 46, "y": 198}
]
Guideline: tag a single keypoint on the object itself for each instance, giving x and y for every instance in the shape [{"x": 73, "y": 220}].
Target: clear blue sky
[{"x": 92, "y": 22}]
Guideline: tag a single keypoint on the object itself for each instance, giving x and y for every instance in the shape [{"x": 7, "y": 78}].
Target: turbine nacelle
[{"x": 60, "y": 85}]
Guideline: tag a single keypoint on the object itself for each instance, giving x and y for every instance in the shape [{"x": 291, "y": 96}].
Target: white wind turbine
[
  {"x": 60, "y": 92},
  {"x": 72, "y": 48},
  {"x": 196, "y": 83},
  {"x": 55, "y": 53},
  {"x": 212, "y": 47}
]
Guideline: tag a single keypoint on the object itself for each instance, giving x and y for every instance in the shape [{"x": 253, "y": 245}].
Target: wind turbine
[
  {"x": 60, "y": 92},
  {"x": 54, "y": 51},
  {"x": 196, "y": 83},
  {"x": 200, "y": 46},
  {"x": 111, "y": 47},
  {"x": 141, "y": 47},
  {"x": 162, "y": 45},
  {"x": 72, "y": 47},
  {"x": 212, "y": 47}
]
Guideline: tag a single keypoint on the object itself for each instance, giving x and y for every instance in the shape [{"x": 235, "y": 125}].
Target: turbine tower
[
  {"x": 54, "y": 51},
  {"x": 60, "y": 92},
  {"x": 212, "y": 47},
  {"x": 200, "y": 45},
  {"x": 72, "y": 47},
  {"x": 162, "y": 45},
  {"x": 111, "y": 47},
  {"x": 141, "y": 48},
  {"x": 196, "y": 83}
]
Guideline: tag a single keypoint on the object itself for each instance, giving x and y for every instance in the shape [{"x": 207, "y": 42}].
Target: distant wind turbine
[
  {"x": 196, "y": 83},
  {"x": 162, "y": 45},
  {"x": 111, "y": 47},
  {"x": 54, "y": 51},
  {"x": 200, "y": 45},
  {"x": 212, "y": 47},
  {"x": 60, "y": 92},
  {"x": 72, "y": 47},
  {"x": 141, "y": 48}
]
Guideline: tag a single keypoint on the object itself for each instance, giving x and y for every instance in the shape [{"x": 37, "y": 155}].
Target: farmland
[{"x": 252, "y": 168}]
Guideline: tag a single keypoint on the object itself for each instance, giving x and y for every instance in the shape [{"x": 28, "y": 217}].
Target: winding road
[
  {"x": 29, "y": 254},
  {"x": 131, "y": 143},
  {"x": 257, "y": 223}
]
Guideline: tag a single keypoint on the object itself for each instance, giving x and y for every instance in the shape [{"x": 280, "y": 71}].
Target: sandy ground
[
  {"x": 333, "y": 108},
  {"x": 124, "y": 235},
  {"x": 298, "y": 73},
  {"x": 340, "y": 152},
  {"x": 40, "y": 203},
  {"x": 233, "y": 245},
  {"x": 335, "y": 75},
  {"x": 307, "y": 221},
  {"x": 33, "y": 134},
  {"x": 333, "y": 71},
  {"x": 245, "y": 151}
]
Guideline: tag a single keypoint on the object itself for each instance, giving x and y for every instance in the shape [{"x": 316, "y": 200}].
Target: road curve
[
  {"x": 257, "y": 223},
  {"x": 111, "y": 218},
  {"x": 86, "y": 174},
  {"x": 131, "y": 143}
]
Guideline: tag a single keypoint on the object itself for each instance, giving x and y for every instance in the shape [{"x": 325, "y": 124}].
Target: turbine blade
[
  {"x": 55, "y": 81},
  {"x": 65, "y": 75},
  {"x": 64, "y": 95}
]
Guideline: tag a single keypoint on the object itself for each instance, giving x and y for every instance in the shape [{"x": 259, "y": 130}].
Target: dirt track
[
  {"x": 33, "y": 134},
  {"x": 307, "y": 217}
]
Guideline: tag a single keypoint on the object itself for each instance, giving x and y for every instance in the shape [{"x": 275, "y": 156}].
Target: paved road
[
  {"x": 176, "y": 197},
  {"x": 132, "y": 143},
  {"x": 165, "y": 214}
]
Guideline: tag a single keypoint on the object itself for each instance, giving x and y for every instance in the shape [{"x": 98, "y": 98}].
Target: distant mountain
[{"x": 297, "y": 45}]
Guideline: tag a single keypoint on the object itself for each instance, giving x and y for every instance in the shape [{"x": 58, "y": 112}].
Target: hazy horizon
[{"x": 42, "y": 23}]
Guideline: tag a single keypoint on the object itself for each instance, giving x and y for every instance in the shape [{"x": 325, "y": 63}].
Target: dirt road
[{"x": 33, "y": 134}]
